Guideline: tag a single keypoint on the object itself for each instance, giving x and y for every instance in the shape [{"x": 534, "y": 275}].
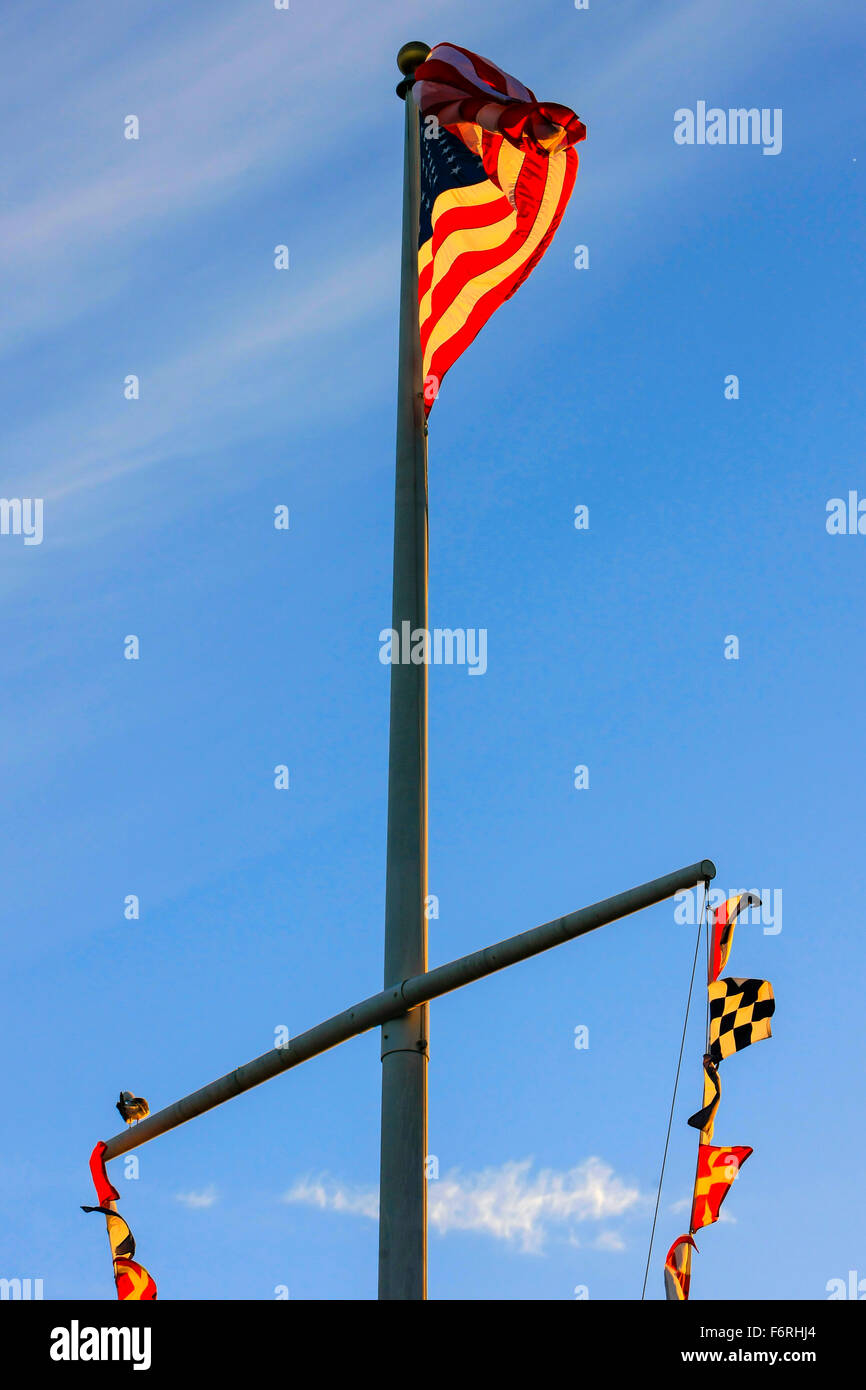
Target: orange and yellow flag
[
  {"x": 678, "y": 1268},
  {"x": 133, "y": 1281},
  {"x": 717, "y": 1169},
  {"x": 724, "y": 922}
]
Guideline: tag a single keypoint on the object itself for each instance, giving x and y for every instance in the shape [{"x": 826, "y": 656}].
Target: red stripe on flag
[{"x": 447, "y": 353}]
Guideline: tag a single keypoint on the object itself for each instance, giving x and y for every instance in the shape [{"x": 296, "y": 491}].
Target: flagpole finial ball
[{"x": 411, "y": 56}]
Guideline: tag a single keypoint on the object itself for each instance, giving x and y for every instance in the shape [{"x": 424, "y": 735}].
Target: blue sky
[{"x": 262, "y": 908}]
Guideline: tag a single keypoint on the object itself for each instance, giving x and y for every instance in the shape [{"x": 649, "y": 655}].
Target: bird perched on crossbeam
[{"x": 132, "y": 1108}]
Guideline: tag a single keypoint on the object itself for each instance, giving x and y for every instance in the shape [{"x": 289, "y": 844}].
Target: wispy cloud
[
  {"x": 509, "y": 1202},
  {"x": 226, "y": 128},
  {"x": 329, "y": 1195},
  {"x": 197, "y": 1201},
  {"x": 512, "y": 1204},
  {"x": 609, "y": 1240},
  {"x": 222, "y": 108},
  {"x": 223, "y": 378}
]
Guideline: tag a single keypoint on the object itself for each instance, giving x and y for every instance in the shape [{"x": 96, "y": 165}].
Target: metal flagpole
[{"x": 402, "y": 1183}]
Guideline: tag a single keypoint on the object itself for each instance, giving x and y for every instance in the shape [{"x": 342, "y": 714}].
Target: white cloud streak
[
  {"x": 510, "y": 1203},
  {"x": 329, "y": 1195},
  {"x": 197, "y": 1201}
]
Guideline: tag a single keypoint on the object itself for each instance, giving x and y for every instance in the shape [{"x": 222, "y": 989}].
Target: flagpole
[{"x": 402, "y": 1182}]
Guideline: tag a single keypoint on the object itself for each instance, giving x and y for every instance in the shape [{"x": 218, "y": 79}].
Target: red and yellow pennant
[
  {"x": 678, "y": 1268},
  {"x": 132, "y": 1281},
  {"x": 724, "y": 921},
  {"x": 717, "y": 1170}
]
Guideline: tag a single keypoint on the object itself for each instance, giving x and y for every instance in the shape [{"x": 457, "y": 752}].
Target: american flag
[{"x": 497, "y": 170}]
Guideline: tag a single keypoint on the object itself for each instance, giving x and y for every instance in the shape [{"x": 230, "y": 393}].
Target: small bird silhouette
[{"x": 132, "y": 1108}]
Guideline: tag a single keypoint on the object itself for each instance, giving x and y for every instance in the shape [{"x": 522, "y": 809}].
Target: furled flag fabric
[
  {"x": 105, "y": 1192},
  {"x": 705, "y": 1118},
  {"x": 724, "y": 922},
  {"x": 678, "y": 1268},
  {"x": 120, "y": 1237},
  {"x": 132, "y": 1280},
  {"x": 717, "y": 1169},
  {"x": 497, "y": 170},
  {"x": 740, "y": 1013}
]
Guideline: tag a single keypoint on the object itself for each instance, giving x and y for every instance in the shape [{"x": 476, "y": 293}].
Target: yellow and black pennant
[
  {"x": 120, "y": 1237},
  {"x": 740, "y": 1013},
  {"x": 705, "y": 1118}
]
